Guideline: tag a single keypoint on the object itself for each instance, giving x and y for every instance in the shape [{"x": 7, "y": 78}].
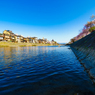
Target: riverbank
[
  {"x": 11, "y": 44},
  {"x": 84, "y": 49}
]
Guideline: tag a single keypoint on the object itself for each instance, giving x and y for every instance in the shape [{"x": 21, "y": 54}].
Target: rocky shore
[{"x": 84, "y": 49}]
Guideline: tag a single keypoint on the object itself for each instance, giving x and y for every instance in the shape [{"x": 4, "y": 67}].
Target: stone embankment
[{"x": 84, "y": 49}]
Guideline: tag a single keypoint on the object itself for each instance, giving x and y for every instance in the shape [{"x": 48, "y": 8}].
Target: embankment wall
[{"x": 84, "y": 49}]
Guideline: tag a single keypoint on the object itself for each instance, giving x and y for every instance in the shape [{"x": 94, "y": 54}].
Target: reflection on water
[{"x": 43, "y": 70}]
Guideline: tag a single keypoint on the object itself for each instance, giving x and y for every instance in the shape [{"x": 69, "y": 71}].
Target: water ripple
[{"x": 43, "y": 70}]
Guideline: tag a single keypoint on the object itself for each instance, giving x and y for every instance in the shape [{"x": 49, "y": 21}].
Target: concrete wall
[{"x": 84, "y": 49}]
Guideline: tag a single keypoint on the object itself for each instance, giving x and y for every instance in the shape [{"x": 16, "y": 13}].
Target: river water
[{"x": 43, "y": 70}]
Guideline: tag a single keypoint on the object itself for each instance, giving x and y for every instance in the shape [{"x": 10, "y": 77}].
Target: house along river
[{"x": 43, "y": 70}]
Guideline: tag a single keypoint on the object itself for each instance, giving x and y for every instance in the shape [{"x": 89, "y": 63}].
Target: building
[
  {"x": 19, "y": 38},
  {"x": 34, "y": 40},
  {"x": 40, "y": 40},
  {"x": 7, "y": 35},
  {"x": 10, "y": 36}
]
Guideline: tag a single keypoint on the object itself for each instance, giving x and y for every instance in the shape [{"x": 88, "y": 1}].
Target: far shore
[{"x": 12, "y": 44}]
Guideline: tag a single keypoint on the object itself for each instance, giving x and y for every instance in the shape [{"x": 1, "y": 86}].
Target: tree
[
  {"x": 72, "y": 40},
  {"x": 92, "y": 17},
  {"x": 92, "y": 29}
]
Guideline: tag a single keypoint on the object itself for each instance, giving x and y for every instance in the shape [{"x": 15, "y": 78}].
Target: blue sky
[{"x": 52, "y": 19}]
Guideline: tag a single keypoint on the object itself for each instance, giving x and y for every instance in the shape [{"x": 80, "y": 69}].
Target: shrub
[
  {"x": 1, "y": 34},
  {"x": 22, "y": 45},
  {"x": 92, "y": 29},
  {"x": 33, "y": 45}
]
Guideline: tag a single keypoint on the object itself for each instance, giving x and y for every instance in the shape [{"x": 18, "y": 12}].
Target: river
[{"x": 42, "y": 70}]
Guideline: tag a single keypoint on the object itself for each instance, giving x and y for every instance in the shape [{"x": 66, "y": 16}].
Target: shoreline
[
  {"x": 85, "y": 62},
  {"x": 12, "y": 44},
  {"x": 84, "y": 50}
]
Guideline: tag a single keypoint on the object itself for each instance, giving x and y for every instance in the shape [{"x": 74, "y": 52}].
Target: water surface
[{"x": 43, "y": 70}]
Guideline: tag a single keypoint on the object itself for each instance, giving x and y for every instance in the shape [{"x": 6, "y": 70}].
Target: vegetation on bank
[
  {"x": 11, "y": 44},
  {"x": 88, "y": 28},
  {"x": 92, "y": 29}
]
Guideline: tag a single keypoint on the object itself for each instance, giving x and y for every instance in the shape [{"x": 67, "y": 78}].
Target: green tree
[{"x": 92, "y": 29}]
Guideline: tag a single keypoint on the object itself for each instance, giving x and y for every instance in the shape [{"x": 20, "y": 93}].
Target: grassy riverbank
[{"x": 11, "y": 44}]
